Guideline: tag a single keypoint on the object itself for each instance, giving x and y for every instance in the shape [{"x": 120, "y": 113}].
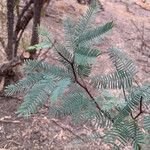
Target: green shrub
[{"x": 69, "y": 94}]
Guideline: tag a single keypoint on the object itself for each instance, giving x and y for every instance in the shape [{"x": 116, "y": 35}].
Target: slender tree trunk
[
  {"x": 38, "y": 4},
  {"x": 23, "y": 20},
  {"x": 10, "y": 29},
  {"x": 15, "y": 33},
  {"x": 9, "y": 74}
]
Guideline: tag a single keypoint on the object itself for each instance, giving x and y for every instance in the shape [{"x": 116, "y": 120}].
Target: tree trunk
[
  {"x": 10, "y": 29},
  {"x": 38, "y": 4}
]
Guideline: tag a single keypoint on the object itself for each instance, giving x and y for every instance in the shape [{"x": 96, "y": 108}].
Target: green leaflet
[
  {"x": 69, "y": 33},
  {"x": 80, "y": 108},
  {"x": 86, "y": 56},
  {"x": 87, "y": 18},
  {"x": 121, "y": 61},
  {"x": 122, "y": 78},
  {"x": 37, "y": 66},
  {"x": 133, "y": 100},
  {"x": 147, "y": 123},
  {"x": 59, "y": 89},
  {"x": 124, "y": 132},
  {"x": 60, "y": 49},
  {"x": 24, "y": 84},
  {"x": 112, "y": 81},
  {"x": 136, "y": 135},
  {"x": 45, "y": 44},
  {"x": 109, "y": 101},
  {"x": 43, "y": 32},
  {"x": 84, "y": 70},
  {"x": 36, "y": 97},
  {"x": 94, "y": 33}
]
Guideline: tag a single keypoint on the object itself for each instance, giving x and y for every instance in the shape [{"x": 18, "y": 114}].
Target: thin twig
[
  {"x": 2, "y": 120},
  {"x": 142, "y": 33},
  {"x": 53, "y": 140},
  {"x": 67, "y": 129}
]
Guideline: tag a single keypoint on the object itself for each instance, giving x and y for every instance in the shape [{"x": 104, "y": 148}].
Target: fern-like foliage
[
  {"x": 83, "y": 110},
  {"x": 86, "y": 56},
  {"x": 124, "y": 132},
  {"x": 66, "y": 85},
  {"x": 147, "y": 123},
  {"x": 113, "y": 81},
  {"x": 125, "y": 71}
]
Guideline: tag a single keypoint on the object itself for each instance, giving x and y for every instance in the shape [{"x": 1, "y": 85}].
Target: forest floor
[{"x": 131, "y": 34}]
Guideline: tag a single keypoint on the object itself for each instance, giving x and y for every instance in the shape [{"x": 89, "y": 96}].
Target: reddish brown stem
[
  {"x": 83, "y": 86},
  {"x": 90, "y": 95},
  {"x": 141, "y": 111}
]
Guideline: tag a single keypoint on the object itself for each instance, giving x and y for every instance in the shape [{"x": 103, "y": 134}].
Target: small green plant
[{"x": 66, "y": 85}]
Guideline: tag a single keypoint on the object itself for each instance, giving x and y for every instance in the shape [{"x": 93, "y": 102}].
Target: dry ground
[{"x": 131, "y": 33}]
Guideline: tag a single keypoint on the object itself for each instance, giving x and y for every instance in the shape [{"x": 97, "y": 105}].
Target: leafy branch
[{"x": 69, "y": 95}]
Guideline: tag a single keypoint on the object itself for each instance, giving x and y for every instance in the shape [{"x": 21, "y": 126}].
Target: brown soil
[{"x": 40, "y": 132}]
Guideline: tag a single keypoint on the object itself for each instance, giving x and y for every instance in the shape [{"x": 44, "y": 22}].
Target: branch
[
  {"x": 2, "y": 120},
  {"x": 9, "y": 65},
  {"x": 22, "y": 22},
  {"x": 81, "y": 85},
  {"x": 26, "y": 7},
  {"x": 88, "y": 92},
  {"x": 141, "y": 111},
  {"x": 53, "y": 45}
]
